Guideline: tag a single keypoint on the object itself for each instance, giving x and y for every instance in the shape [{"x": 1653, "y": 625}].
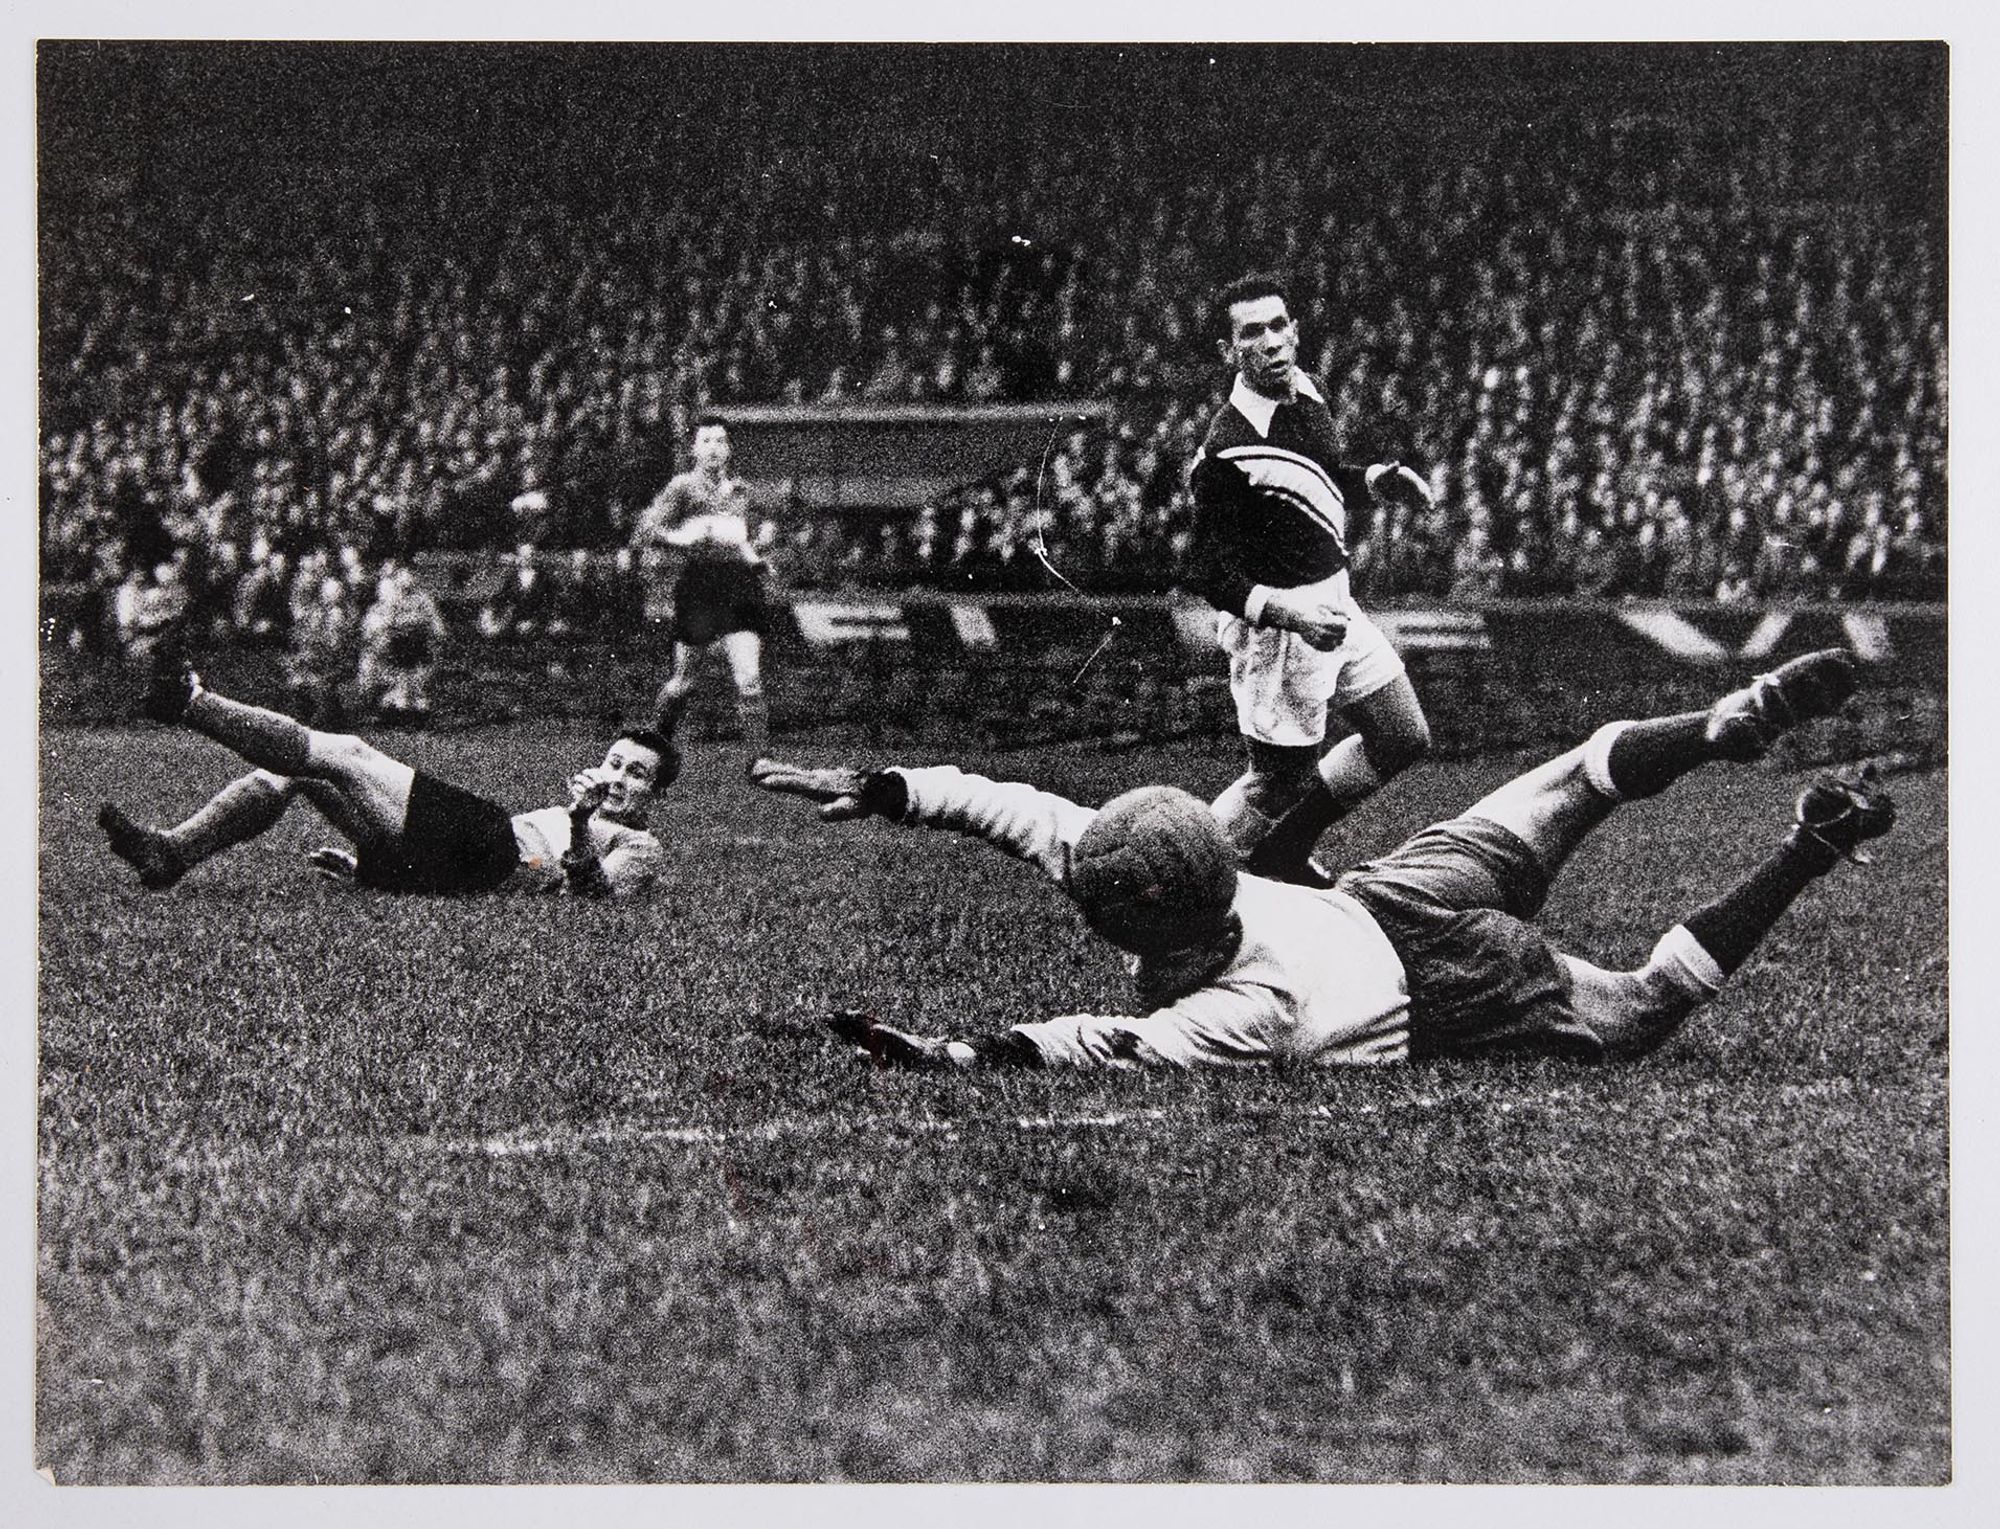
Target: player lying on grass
[
  {"x": 1423, "y": 953},
  {"x": 411, "y": 832}
]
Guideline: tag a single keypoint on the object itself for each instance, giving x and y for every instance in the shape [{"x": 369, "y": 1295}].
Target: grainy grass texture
[{"x": 342, "y": 1187}]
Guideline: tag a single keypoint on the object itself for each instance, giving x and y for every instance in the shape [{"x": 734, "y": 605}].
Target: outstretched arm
[
  {"x": 1215, "y": 1027},
  {"x": 1036, "y": 826}
]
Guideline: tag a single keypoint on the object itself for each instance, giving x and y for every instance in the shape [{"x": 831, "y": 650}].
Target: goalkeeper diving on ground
[{"x": 1426, "y": 952}]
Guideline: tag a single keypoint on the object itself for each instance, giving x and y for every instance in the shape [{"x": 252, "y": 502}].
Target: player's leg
[
  {"x": 419, "y": 700},
  {"x": 1633, "y": 1012},
  {"x": 1554, "y": 805},
  {"x": 377, "y": 786},
  {"x": 368, "y": 682},
  {"x": 239, "y": 812},
  {"x": 337, "y": 808},
  {"x": 671, "y": 703},
  {"x": 745, "y": 651},
  {"x": 1280, "y": 686},
  {"x": 1390, "y": 734},
  {"x": 1252, "y": 806}
]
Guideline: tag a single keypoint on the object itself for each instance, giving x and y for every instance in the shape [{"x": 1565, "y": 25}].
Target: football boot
[
  {"x": 1745, "y": 723},
  {"x": 1841, "y": 811},
  {"x": 146, "y": 850},
  {"x": 172, "y": 686}
]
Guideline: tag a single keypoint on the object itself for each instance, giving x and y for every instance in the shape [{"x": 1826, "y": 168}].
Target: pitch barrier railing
[{"x": 1003, "y": 670}]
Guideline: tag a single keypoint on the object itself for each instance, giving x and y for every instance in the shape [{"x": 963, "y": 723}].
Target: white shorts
[{"x": 1283, "y": 685}]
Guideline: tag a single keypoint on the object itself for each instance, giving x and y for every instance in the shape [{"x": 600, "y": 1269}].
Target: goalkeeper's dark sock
[
  {"x": 1733, "y": 925},
  {"x": 240, "y": 811},
  {"x": 268, "y": 739},
  {"x": 1290, "y": 845},
  {"x": 1344, "y": 777},
  {"x": 1628, "y": 760}
]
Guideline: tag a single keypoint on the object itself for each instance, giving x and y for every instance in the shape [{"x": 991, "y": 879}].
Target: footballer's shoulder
[{"x": 1227, "y": 426}]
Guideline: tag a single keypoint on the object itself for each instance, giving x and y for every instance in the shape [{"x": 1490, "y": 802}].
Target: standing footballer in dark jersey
[
  {"x": 702, "y": 518},
  {"x": 1270, "y": 552}
]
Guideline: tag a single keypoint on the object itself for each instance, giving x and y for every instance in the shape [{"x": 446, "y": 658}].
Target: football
[{"x": 1153, "y": 871}]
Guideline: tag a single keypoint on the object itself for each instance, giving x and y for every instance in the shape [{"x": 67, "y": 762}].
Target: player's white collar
[{"x": 1258, "y": 409}]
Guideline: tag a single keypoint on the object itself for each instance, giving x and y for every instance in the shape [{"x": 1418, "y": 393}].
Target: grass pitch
[{"x": 340, "y": 1187}]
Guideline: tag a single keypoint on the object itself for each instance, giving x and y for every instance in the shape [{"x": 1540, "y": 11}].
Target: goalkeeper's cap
[{"x": 1153, "y": 872}]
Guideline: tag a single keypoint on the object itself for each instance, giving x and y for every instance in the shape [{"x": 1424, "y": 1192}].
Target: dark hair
[
  {"x": 1243, "y": 289},
  {"x": 659, "y": 743},
  {"x": 709, "y": 417}
]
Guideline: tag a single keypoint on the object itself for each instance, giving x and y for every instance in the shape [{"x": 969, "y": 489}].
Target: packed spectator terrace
[{"x": 1653, "y": 321}]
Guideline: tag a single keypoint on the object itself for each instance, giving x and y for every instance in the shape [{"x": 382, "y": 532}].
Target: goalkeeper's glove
[
  {"x": 842, "y": 792},
  {"x": 333, "y": 864},
  {"x": 887, "y": 1046}
]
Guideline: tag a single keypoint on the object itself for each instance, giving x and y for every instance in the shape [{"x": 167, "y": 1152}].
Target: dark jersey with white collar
[{"x": 1270, "y": 505}]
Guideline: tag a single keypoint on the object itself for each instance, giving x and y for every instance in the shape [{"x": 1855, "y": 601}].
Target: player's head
[
  {"x": 1154, "y": 874},
  {"x": 638, "y": 764},
  {"x": 1255, "y": 331},
  {"x": 711, "y": 442}
]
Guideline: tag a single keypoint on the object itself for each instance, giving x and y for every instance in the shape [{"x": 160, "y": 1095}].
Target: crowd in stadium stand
[{"x": 1633, "y": 356}]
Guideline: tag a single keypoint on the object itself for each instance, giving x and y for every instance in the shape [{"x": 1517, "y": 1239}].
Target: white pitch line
[
  {"x": 531, "y": 1143},
  {"x": 527, "y": 1143}
]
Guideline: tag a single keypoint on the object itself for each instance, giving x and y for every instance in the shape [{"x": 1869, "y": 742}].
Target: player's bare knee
[
  {"x": 1636, "y": 1012},
  {"x": 1630, "y": 1013},
  {"x": 1550, "y": 808},
  {"x": 272, "y": 781},
  {"x": 1394, "y": 748},
  {"x": 332, "y": 753}
]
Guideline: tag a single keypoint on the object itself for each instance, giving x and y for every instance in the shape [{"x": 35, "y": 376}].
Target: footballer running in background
[
  {"x": 1423, "y": 953},
  {"x": 1270, "y": 553},
  {"x": 411, "y": 832},
  {"x": 700, "y": 521}
]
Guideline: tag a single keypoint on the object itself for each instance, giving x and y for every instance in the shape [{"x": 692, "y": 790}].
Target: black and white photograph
[{"x": 970, "y": 762}]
